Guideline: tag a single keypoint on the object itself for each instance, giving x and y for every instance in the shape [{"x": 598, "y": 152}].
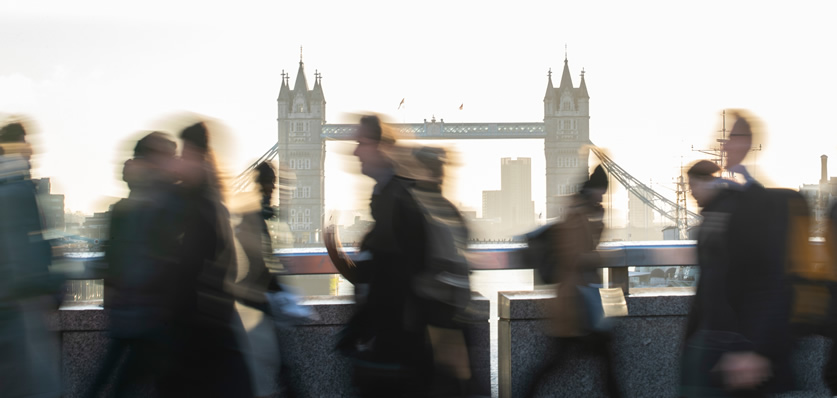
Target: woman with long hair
[{"x": 215, "y": 362}]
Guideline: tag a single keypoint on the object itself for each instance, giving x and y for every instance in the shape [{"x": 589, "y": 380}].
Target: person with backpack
[
  {"x": 575, "y": 265},
  {"x": 738, "y": 336},
  {"x": 409, "y": 286}
]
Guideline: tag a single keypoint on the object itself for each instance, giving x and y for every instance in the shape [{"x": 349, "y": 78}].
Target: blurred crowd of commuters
[{"x": 178, "y": 262}]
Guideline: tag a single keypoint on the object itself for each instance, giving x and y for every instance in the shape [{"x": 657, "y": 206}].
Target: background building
[
  {"x": 301, "y": 115},
  {"x": 512, "y": 205},
  {"x": 52, "y": 205},
  {"x": 567, "y": 133}
]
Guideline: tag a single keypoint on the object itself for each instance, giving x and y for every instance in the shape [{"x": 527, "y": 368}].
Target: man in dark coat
[
  {"x": 738, "y": 336},
  {"x": 143, "y": 271},
  {"x": 389, "y": 337}
]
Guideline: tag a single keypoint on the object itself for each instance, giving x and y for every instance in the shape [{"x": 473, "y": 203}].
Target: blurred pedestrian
[
  {"x": 738, "y": 336},
  {"x": 404, "y": 319},
  {"x": 577, "y": 267},
  {"x": 29, "y": 352},
  {"x": 143, "y": 270},
  {"x": 215, "y": 364},
  {"x": 255, "y": 282}
]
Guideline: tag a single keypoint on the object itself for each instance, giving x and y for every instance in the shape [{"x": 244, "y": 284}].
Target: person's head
[
  {"x": 266, "y": 178},
  {"x": 702, "y": 181},
  {"x": 740, "y": 141},
  {"x": 195, "y": 141},
  {"x": 12, "y": 132},
  {"x": 596, "y": 186},
  {"x": 433, "y": 159},
  {"x": 153, "y": 154},
  {"x": 371, "y": 141}
]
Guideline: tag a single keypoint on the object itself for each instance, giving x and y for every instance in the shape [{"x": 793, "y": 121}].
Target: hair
[
  {"x": 375, "y": 129},
  {"x": 198, "y": 136},
  {"x": 598, "y": 180},
  {"x": 155, "y": 144},
  {"x": 433, "y": 159},
  {"x": 741, "y": 127},
  {"x": 703, "y": 170},
  {"x": 13, "y": 132},
  {"x": 265, "y": 174}
]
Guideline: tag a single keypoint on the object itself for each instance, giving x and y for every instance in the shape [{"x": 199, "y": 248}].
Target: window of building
[
  {"x": 302, "y": 192},
  {"x": 299, "y": 164}
]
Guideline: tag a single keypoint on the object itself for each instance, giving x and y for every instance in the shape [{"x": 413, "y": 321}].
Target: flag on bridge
[
  {"x": 461, "y": 105},
  {"x": 401, "y": 103}
]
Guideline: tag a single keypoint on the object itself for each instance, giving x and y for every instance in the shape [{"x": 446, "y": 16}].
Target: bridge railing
[
  {"x": 627, "y": 263},
  {"x": 624, "y": 260}
]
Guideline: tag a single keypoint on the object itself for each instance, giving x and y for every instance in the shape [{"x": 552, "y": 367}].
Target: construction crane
[{"x": 669, "y": 209}]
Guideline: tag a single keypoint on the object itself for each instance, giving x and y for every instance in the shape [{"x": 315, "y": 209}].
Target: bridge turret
[
  {"x": 549, "y": 97},
  {"x": 566, "y": 125},
  {"x": 302, "y": 148},
  {"x": 317, "y": 98},
  {"x": 284, "y": 99}
]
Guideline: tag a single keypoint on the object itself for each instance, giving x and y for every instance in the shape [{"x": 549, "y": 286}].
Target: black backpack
[
  {"x": 445, "y": 278},
  {"x": 540, "y": 252}
]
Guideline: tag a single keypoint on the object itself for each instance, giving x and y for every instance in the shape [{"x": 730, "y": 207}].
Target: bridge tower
[
  {"x": 301, "y": 115},
  {"x": 567, "y": 134}
]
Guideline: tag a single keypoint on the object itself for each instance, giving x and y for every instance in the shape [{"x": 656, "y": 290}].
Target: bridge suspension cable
[{"x": 669, "y": 209}]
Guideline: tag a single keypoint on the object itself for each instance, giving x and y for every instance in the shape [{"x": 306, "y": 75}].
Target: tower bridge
[{"x": 565, "y": 129}]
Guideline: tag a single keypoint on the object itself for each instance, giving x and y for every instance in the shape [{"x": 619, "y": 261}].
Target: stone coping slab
[
  {"x": 330, "y": 310},
  {"x": 520, "y": 305}
]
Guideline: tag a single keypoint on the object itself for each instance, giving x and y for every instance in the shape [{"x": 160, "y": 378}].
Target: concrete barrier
[
  {"x": 314, "y": 367},
  {"x": 646, "y": 345}
]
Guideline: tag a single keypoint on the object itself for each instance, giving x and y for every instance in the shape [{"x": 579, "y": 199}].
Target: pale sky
[{"x": 92, "y": 74}]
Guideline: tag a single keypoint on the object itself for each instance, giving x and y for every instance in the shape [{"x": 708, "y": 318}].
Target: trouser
[
  {"x": 597, "y": 344},
  {"x": 144, "y": 361}
]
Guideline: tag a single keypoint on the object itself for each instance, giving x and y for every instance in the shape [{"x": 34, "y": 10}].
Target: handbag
[{"x": 600, "y": 305}]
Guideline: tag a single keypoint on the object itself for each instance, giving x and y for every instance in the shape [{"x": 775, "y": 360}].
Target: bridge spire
[
  {"x": 582, "y": 87},
  {"x": 566, "y": 79},
  {"x": 550, "y": 90},
  {"x": 284, "y": 91},
  {"x": 301, "y": 82}
]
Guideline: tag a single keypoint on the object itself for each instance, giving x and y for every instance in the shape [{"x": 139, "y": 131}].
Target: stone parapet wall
[
  {"x": 646, "y": 346},
  {"x": 315, "y": 368}
]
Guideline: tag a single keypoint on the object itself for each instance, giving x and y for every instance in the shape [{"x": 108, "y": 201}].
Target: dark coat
[
  {"x": 143, "y": 253},
  {"x": 389, "y": 312},
  {"x": 743, "y": 289},
  {"x": 28, "y": 351},
  {"x": 215, "y": 364}
]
